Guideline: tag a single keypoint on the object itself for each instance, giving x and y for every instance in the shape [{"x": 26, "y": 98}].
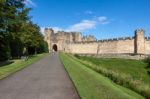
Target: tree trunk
[{"x": 35, "y": 51}]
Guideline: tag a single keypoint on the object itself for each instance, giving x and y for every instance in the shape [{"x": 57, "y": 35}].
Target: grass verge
[
  {"x": 92, "y": 85},
  {"x": 128, "y": 73},
  {"x": 16, "y": 65}
]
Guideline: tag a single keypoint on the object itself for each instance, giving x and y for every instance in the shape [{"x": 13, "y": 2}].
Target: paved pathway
[{"x": 45, "y": 79}]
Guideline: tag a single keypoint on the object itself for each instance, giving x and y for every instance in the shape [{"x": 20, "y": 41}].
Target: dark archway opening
[{"x": 55, "y": 47}]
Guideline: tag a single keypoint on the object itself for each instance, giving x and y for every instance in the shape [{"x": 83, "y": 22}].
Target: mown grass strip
[
  {"x": 92, "y": 85},
  {"x": 123, "y": 74},
  {"x": 17, "y": 65}
]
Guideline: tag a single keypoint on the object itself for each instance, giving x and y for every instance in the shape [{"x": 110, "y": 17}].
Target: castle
[
  {"x": 73, "y": 42},
  {"x": 59, "y": 40}
]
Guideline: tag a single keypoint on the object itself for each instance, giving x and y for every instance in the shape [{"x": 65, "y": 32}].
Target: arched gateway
[{"x": 55, "y": 48}]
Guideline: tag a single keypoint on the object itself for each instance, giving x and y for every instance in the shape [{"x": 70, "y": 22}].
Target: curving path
[{"x": 45, "y": 79}]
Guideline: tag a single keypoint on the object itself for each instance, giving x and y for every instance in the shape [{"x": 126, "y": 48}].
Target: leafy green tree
[
  {"x": 17, "y": 31},
  {"x": 19, "y": 18},
  {"x": 43, "y": 47},
  {"x": 31, "y": 37},
  {"x": 4, "y": 35}
]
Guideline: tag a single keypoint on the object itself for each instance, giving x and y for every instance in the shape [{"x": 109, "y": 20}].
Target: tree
[
  {"x": 31, "y": 37},
  {"x": 43, "y": 47},
  {"x": 17, "y": 31},
  {"x": 4, "y": 35},
  {"x": 12, "y": 15},
  {"x": 19, "y": 18}
]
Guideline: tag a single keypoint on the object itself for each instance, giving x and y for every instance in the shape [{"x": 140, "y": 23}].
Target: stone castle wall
[
  {"x": 82, "y": 48},
  {"x": 139, "y": 44},
  {"x": 125, "y": 46},
  {"x": 147, "y": 46},
  {"x": 129, "y": 45},
  {"x": 107, "y": 47},
  {"x": 102, "y": 47}
]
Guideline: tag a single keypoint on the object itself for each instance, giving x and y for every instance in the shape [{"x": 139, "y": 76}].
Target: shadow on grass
[
  {"x": 148, "y": 72},
  {"x": 148, "y": 65},
  {"x": 5, "y": 63},
  {"x": 32, "y": 56},
  {"x": 148, "y": 68}
]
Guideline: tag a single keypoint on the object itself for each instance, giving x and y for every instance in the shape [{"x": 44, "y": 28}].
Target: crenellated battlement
[
  {"x": 74, "y": 42},
  {"x": 139, "y": 31},
  {"x": 147, "y": 38},
  {"x": 107, "y": 40},
  {"x": 116, "y": 39}
]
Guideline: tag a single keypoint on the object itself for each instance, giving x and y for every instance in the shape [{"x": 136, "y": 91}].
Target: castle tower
[
  {"x": 78, "y": 37},
  {"x": 70, "y": 38},
  {"x": 140, "y": 41},
  {"x": 61, "y": 37},
  {"x": 48, "y": 34}
]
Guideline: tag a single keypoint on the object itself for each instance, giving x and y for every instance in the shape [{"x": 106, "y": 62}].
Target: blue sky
[{"x": 101, "y": 18}]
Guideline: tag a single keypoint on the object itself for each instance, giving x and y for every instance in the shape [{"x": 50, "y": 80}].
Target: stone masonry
[{"x": 74, "y": 42}]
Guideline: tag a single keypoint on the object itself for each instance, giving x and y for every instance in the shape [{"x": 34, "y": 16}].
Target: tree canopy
[{"x": 17, "y": 31}]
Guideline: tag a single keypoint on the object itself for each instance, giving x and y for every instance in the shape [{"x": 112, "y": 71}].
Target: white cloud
[
  {"x": 83, "y": 25},
  {"x": 42, "y": 29},
  {"x": 88, "y": 12},
  {"x": 56, "y": 29},
  {"x": 103, "y": 20},
  {"x": 29, "y": 2}
]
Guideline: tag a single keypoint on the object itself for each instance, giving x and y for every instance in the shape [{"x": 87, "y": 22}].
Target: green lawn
[
  {"x": 92, "y": 85},
  {"x": 129, "y": 73},
  {"x": 7, "y": 68}
]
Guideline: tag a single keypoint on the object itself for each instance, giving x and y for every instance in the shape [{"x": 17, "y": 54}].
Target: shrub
[
  {"x": 147, "y": 60},
  {"x": 148, "y": 65},
  {"x": 4, "y": 52},
  {"x": 77, "y": 56}
]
